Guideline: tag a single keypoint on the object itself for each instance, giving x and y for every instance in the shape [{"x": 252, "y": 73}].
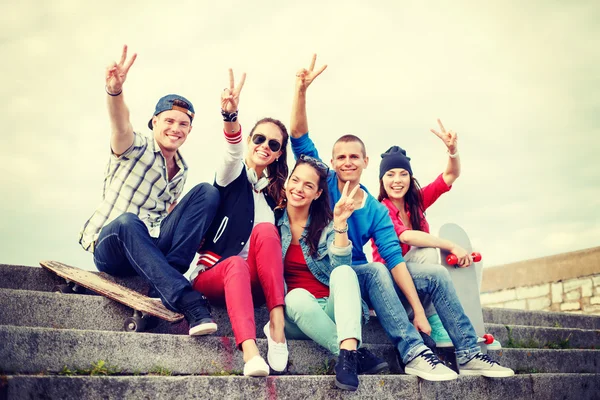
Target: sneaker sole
[
  {"x": 203, "y": 329},
  {"x": 376, "y": 369},
  {"x": 344, "y": 386},
  {"x": 257, "y": 374},
  {"x": 488, "y": 374},
  {"x": 429, "y": 377}
]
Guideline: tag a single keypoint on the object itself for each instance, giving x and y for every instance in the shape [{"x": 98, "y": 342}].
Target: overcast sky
[{"x": 518, "y": 81}]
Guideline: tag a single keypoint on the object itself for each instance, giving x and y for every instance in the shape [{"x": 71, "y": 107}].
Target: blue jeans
[
  {"x": 433, "y": 283},
  {"x": 378, "y": 290},
  {"x": 125, "y": 247},
  {"x": 329, "y": 320}
]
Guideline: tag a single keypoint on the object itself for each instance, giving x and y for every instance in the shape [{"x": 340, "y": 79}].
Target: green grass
[{"x": 99, "y": 368}]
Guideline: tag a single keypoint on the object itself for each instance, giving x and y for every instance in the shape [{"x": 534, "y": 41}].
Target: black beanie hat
[{"x": 394, "y": 157}]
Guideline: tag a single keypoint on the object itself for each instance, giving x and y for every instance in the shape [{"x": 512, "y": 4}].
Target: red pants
[{"x": 239, "y": 283}]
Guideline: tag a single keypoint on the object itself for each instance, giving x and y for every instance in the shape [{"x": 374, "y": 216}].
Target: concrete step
[
  {"x": 37, "y": 350},
  {"x": 380, "y": 387},
  {"x": 37, "y": 278},
  {"x": 540, "y": 318},
  {"x": 72, "y": 311}
]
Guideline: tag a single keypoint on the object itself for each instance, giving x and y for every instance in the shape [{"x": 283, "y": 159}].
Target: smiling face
[
  {"x": 303, "y": 186},
  {"x": 171, "y": 129},
  {"x": 396, "y": 183},
  {"x": 349, "y": 161},
  {"x": 260, "y": 155}
]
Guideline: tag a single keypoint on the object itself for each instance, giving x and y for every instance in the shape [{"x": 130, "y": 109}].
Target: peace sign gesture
[
  {"x": 117, "y": 73},
  {"x": 449, "y": 138},
  {"x": 230, "y": 97},
  {"x": 304, "y": 77},
  {"x": 345, "y": 205}
]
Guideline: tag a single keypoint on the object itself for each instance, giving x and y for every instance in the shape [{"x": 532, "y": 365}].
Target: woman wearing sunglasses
[
  {"x": 237, "y": 262},
  {"x": 323, "y": 302}
]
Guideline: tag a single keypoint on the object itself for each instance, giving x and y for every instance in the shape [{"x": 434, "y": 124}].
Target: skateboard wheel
[
  {"x": 134, "y": 324},
  {"x": 489, "y": 338},
  {"x": 64, "y": 288},
  {"x": 451, "y": 259},
  {"x": 476, "y": 256}
]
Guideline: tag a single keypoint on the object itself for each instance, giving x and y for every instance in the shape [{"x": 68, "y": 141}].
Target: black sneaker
[
  {"x": 197, "y": 314},
  {"x": 346, "y": 376},
  {"x": 369, "y": 363}
]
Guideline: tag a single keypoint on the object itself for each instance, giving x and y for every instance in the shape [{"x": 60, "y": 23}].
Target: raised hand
[
  {"x": 449, "y": 138},
  {"x": 304, "y": 77},
  {"x": 230, "y": 97},
  {"x": 345, "y": 205},
  {"x": 116, "y": 74}
]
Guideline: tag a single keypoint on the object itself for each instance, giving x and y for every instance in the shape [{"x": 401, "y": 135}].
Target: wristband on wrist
[
  {"x": 229, "y": 117},
  {"x": 452, "y": 155},
  {"x": 112, "y": 94},
  {"x": 343, "y": 230}
]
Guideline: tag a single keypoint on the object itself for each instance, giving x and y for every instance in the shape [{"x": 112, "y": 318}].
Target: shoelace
[
  {"x": 485, "y": 358},
  {"x": 431, "y": 358},
  {"x": 349, "y": 362}
]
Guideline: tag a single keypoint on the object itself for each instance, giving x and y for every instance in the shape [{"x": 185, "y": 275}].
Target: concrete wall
[{"x": 567, "y": 282}]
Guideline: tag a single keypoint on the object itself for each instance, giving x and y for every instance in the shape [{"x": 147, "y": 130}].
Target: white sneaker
[
  {"x": 256, "y": 366},
  {"x": 483, "y": 365},
  {"x": 277, "y": 353},
  {"x": 427, "y": 366}
]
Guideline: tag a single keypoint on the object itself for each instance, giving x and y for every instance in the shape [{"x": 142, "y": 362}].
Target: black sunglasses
[
  {"x": 314, "y": 162},
  {"x": 258, "y": 138}
]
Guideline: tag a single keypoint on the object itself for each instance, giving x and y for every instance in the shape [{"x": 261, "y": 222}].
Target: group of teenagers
[{"x": 291, "y": 240}]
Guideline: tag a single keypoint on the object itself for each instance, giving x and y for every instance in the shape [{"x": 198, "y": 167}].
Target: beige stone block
[
  {"x": 538, "y": 304},
  {"x": 516, "y": 304},
  {"x": 529, "y": 292},
  {"x": 575, "y": 312},
  {"x": 570, "y": 306},
  {"x": 498, "y": 297},
  {"x": 591, "y": 308},
  {"x": 587, "y": 290},
  {"x": 572, "y": 284},
  {"x": 596, "y": 280},
  {"x": 595, "y": 300},
  {"x": 498, "y": 305},
  {"x": 573, "y": 295},
  {"x": 557, "y": 291}
]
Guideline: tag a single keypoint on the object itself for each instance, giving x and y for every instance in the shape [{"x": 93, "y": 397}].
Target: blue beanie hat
[{"x": 394, "y": 157}]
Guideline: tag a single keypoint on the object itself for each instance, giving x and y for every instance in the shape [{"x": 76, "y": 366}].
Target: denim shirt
[{"x": 329, "y": 256}]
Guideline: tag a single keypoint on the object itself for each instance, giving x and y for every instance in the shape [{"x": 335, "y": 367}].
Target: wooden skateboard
[{"x": 77, "y": 280}]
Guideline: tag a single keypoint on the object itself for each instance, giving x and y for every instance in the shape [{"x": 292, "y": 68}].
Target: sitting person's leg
[
  {"x": 266, "y": 275},
  {"x": 434, "y": 280},
  {"x": 429, "y": 256},
  {"x": 378, "y": 289},
  {"x": 182, "y": 231},
  {"x": 125, "y": 248},
  {"x": 228, "y": 282}
]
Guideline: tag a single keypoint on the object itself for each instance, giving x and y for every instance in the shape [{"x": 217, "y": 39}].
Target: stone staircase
[{"x": 72, "y": 346}]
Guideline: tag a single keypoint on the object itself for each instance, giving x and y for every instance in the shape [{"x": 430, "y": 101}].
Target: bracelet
[
  {"x": 452, "y": 155},
  {"x": 112, "y": 94},
  {"x": 343, "y": 230},
  {"x": 229, "y": 117}
]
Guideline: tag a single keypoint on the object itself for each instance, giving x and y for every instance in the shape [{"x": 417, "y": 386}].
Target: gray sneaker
[
  {"x": 427, "y": 366},
  {"x": 483, "y": 365}
]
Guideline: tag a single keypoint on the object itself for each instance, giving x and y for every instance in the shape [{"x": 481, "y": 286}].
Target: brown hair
[{"x": 352, "y": 138}]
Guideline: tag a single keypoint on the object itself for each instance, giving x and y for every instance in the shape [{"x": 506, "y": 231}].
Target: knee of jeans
[
  {"x": 297, "y": 302},
  {"x": 439, "y": 273},
  {"x": 127, "y": 220},
  {"x": 212, "y": 197},
  {"x": 342, "y": 274},
  {"x": 265, "y": 230}
]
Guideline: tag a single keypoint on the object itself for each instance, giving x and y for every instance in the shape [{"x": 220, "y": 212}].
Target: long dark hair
[
  {"x": 277, "y": 171},
  {"x": 413, "y": 200},
  {"x": 319, "y": 211}
]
